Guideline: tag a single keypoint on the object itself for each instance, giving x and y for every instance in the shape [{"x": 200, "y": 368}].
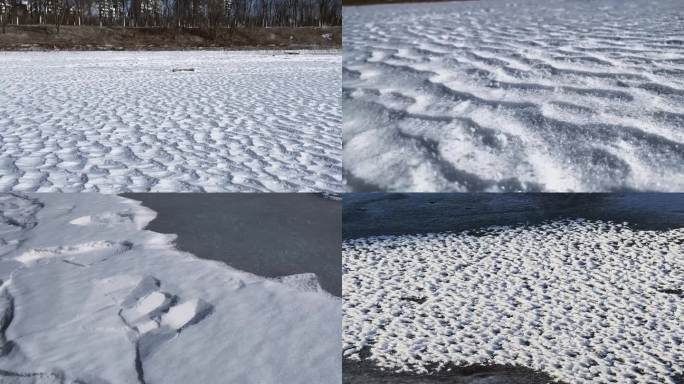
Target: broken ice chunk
[
  {"x": 147, "y": 284},
  {"x": 147, "y": 307},
  {"x": 146, "y": 326},
  {"x": 187, "y": 313},
  {"x": 150, "y": 341}
]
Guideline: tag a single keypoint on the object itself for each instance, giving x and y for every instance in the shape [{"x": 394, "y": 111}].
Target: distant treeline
[{"x": 171, "y": 14}]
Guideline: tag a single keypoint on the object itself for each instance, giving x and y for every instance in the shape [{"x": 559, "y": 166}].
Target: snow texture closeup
[
  {"x": 126, "y": 122},
  {"x": 89, "y": 297},
  {"x": 558, "y": 95},
  {"x": 584, "y": 301}
]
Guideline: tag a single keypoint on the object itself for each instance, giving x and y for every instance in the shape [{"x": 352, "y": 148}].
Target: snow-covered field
[
  {"x": 558, "y": 95},
  {"x": 88, "y": 296},
  {"x": 124, "y": 121},
  {"x": 584, "y": 301}
]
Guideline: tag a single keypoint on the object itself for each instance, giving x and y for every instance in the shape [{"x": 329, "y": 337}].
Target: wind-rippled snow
[
  {"x": 125, "y": 122},
  {"x": 584, "y": 301},
  {"x": 515, "y": 96}
]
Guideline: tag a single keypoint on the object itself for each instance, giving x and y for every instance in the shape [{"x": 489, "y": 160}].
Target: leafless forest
[{"x": 172, "y": 14}]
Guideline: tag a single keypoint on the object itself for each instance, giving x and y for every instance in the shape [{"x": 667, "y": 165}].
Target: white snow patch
[
  {"x": 150, "y": 302},
  {"x": 83, "y": 220},
  {"x": 182, "y": 314},
  {"x": 86, "y": 253}
]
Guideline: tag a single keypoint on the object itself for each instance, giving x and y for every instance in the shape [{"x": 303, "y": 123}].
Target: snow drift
[
  {"x": 126, "y": 122},
  {"x": 514, "y": 96}
]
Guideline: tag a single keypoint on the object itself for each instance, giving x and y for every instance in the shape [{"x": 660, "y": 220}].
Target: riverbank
[
  {"x": 93, "y": 38},
  {"x": 365, "y": 372}
]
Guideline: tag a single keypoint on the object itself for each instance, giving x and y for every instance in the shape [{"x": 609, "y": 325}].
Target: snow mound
[
  {"x": 562, "y": 96},
  {"x": 585, "y": 301},
  {"x": 116, "y": 122},
  {"x": 80, "y": 254},
  {"x": 108, "y": 218}
]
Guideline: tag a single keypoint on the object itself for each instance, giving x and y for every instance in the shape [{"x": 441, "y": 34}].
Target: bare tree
[
  {"x": 215, "y": 15},
  {"x": 4, "y": 14},
  {"x": 59, "y": 12},
  {"x": 177, "y": 14}
]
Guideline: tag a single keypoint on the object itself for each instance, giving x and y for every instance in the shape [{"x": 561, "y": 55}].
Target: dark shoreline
[
  {"x": 268, "y": 234},
  {"x": 365, "y": 372}
]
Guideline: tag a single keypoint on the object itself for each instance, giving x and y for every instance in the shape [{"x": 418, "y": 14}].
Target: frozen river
[{"x": 127, "y": 122}]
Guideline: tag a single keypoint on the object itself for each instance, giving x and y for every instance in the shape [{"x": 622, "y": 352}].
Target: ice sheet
[{"x": 104, "y": 301}]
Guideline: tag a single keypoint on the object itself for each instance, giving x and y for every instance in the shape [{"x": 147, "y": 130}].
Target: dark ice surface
[
  {"x": 371, "y": 214},
  {"x": 268, "y": 234}
]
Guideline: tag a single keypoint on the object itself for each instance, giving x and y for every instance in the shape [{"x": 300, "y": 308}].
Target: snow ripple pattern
[
  {"x": 515, "y": 96},
  {"x": 124, "y": 121},
  {"x": 585, "y": 301}
]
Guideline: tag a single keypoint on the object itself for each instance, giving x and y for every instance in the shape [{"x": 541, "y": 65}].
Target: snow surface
[
  {"x": 125, "y": 122},
  {"x": 584, "y": 301},
  {"x": 104, "y": 301},
  {"x": 558, "y": 95}
]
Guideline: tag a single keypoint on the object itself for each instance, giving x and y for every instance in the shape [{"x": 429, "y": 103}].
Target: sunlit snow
[
  {"x": 125, "y": 121},
  {"x": 557, "y": 95},
  {"x": 584, "y": 301}
]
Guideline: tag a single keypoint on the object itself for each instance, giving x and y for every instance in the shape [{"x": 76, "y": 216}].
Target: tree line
[{"x": 172, "y": 14}]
